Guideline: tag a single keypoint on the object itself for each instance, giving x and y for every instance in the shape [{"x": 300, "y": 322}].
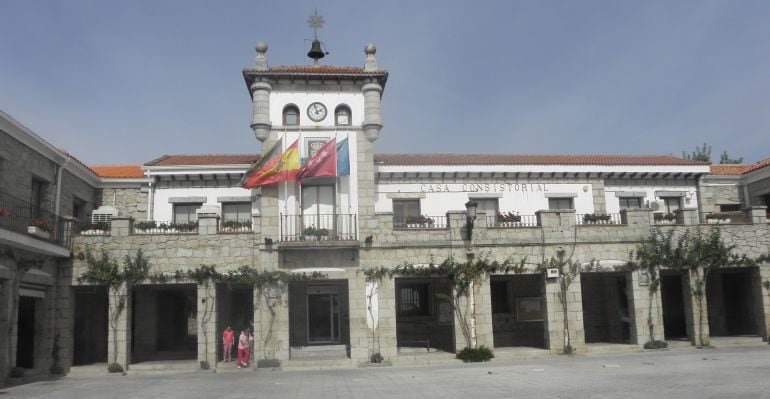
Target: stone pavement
[{"x": 725, "y": 372}]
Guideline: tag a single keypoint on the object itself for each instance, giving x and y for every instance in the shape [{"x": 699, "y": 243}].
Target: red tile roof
[
  {"x": 118, "y": 171},
  {"x": 740, "y": 168},
  {"x": 503, "y": 159},
  {"x": 204, "y": 159}
]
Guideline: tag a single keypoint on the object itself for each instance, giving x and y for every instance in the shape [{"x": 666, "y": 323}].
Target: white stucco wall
[
  {"x": 164, "y": 209},
  {"x": 690, "y": 200}
]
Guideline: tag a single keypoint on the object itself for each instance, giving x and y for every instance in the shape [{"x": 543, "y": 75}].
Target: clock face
[{"x": 316, "y": 112}]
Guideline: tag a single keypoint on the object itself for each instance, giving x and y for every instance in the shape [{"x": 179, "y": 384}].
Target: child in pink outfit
[
  {"x": 228, "y": 340},
  {"x": 243, "y": 349}
]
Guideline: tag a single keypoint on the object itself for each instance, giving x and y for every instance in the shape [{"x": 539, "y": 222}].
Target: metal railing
[
  {"x": 664, "y": 219},
  {"x": 421, "y": 222},
  {"x": 163, "y": 227},
  {"x": 511, "y": 222},
  {"x": 235, "y": 226},
  {"x": 737, "y": 217},
  {"x": 590, "y": 219},
  {"x": 318, "y": 227},
  {"x": 23, "y": 217}
]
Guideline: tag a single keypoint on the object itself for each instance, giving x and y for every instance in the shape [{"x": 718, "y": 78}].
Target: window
[
  {"x": 404, "y": 210},
  {"x": 239, "y": 211},
  {"x": 291, "y": 115},
  {"x": 630, "y": 202},
  {"x": 560, "y": 203},
  {"x": 730, "y": 208},
  {"x": 78, "y": 209},
  {"x": 342, "y": 115},
  {"x": 414, "y": 300},
  {"x": 499, "y": 294},
  {"x": 185, "y": 213},
  {"x": 671, "y": 204},
  {"x": 487, "y": 205},
  {"x": 36, "y": 197}
]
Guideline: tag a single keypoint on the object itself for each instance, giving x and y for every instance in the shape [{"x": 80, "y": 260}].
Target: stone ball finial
[
  {"x": 261, "y": 47},
  {"x": 369, "y": 49}
]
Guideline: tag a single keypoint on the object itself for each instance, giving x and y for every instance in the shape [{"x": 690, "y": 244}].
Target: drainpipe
[
  {"x": 150, "y": 198},
  {"x": 59, "y": 170}
]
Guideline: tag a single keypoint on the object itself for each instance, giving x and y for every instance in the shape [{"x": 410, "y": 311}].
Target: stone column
[
  {"x": 554, "y": 322},
  {"x": 640, "y": 218},
  {"x": 121, "y": 226},
  {"x": 372, "y": 113},
  {"x": 687, "y": 216},
  {"x": 483, "y": 297},
  {"x": 207, "y": 324},
  {"x": 757, "y": 214},
  {"x": 357, "y": 316},
  {"x": 208, "y": 220},
  {"x": 271, "y": 322},
  {"x": 119, "y": 334},
  {"x": 642, "y": 299},
  {"x": 692, "y": 314},
  {"x": 385, "y": 339},
  {"x": 260, "y": 119},
  {"x": 763, "y": 272}
]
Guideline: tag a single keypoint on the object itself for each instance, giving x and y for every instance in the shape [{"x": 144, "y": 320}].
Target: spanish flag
[{"x": 273, "y": 167}]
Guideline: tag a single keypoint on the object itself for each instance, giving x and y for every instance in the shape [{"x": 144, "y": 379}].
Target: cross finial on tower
[{"x": 316, "y": 21}]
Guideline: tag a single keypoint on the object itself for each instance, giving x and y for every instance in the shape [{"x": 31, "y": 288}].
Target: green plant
[
  {"x": 596, "y": 218},
  {"x": 312, "y": 231},
  {"x": 103, "y": 226},
  {"x": 669, "y": 217},
  {"x": 16, "y": 372},
  {"x": 474, "y": 355},
  {"x": 234, "y": 224},
  {"x": 115, "y": 368},
  {"x": 146, "y": 225},
  {"x": 420, "y": 219},
  {"x": 655, "y": 344},
  {"x": 508, "y": 217},
  {"x": 376, "y": 358}
]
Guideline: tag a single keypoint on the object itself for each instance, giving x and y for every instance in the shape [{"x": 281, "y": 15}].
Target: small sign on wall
[{"x": 552, "y": 273}]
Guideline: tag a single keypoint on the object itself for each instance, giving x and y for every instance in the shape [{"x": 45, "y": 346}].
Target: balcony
[
  {"x": 511, "y": 221},
  {"x": 22, "y": 217},
  {"x": 737, "y": 217},
  {"x": 589, "y": 219},
  {"x": 318, "y": 228},
  {"x": 421, "y": 222}
]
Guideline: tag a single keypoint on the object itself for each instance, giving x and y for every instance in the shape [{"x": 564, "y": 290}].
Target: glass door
[{"x": 323, "y": 315}]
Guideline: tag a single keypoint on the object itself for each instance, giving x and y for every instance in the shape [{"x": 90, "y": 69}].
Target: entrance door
[
  {"x": 323, "y": 315},
  {"x": 25, "y": 347}
]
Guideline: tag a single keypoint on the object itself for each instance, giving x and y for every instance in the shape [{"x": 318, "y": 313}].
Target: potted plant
[
  {"x": 314, "y": 233},
  {"x": 668, "y": 217},
  {"x": 419, "y": 221},
  {"x": 596, "y": 218},
  {"x": 40, "y": 227},
  {"x": 508, "y": 218}
]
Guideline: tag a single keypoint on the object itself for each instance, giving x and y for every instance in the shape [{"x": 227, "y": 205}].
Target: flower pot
[{"x": 38, "y": 232}]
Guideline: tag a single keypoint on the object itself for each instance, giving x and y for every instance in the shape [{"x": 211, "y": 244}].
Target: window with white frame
[
  {"x": 560, "y": 203},
  {"x": 185, "y": 213},
  {"x": 630, "y": 202},
  {"x": 237, "y": 211},
  {"x": 404, "y": 211}
]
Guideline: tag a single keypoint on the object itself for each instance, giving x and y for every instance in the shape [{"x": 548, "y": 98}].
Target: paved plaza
[{"x": 726, "y": 372}]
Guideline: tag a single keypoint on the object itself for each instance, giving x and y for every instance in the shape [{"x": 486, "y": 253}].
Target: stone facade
[{"x": 131, "y": 202}]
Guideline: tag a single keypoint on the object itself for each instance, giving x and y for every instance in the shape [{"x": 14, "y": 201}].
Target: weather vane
[{"x": 316, "y": 21}]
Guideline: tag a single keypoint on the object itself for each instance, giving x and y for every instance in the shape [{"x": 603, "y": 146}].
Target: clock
[{"x": 316, "y": 112}]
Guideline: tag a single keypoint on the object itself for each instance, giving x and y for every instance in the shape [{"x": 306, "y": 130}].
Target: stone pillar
[
  {"x": 260, "y": 119},
  {"x": 557, "y": 220},
  {"x": 271, "y": 323},
  {"x": 640, "y": 218},
  {"x": 207, "y": 324},
  {"x": 372, "y": 113},
  {"x": 119, "y": 334},
  {"x": 757, "y": 214},
  {"x": 357, "y": 316},
  {"x": 483, "y": 296},
  {"x": 687, "y": 216},
  {"x": 764, "y": 302},
  {"x": 121, "y": 226},
  {"x": 208, "y": 220},
  {"x": 365, "y": 180},
  {"x": 5, "y": 314},
  {"x": 692, "y": 314},
  {"x": 554, "y": 320},
  {"x": 384, "y": 337},
  {"x": 641, "y": 300}
]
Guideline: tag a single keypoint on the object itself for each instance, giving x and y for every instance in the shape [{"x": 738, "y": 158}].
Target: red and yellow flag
[{"x": 273, "y": 167}]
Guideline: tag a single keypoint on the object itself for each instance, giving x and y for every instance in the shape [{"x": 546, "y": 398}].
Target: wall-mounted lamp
[{"x": 471, "y": 207}]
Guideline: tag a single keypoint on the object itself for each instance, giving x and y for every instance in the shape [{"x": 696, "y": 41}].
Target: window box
[{"x": 38, "y": 232}]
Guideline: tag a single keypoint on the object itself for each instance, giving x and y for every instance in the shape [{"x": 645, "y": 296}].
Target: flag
[
  {"x": 343, "y": 158},
  {"x": 323, "y": 163},
  {"x": 273, "y": 167}
]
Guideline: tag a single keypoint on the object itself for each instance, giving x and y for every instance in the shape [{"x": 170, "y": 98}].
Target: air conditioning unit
[
  {"x": 104, "y": 214},
  {"x": 657, "y": 205}
]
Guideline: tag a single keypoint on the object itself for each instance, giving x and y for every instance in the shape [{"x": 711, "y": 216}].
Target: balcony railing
[
  {"x": 235, "y": 226},
  {"x": 23, "y": 217},
  {"x": 659, "y": 218},
  {"x": 421, "y": 222},
  {"x": 163, "y": 227},
  {"x": 737, "y": 217},
  {"x": 512, "y": 221},
  {"x": 319, "y": 227},
  {"x": 598, "y": 219}
]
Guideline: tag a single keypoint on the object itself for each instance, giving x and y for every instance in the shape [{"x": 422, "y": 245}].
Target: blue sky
[{"x": 126, "y": 82}]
